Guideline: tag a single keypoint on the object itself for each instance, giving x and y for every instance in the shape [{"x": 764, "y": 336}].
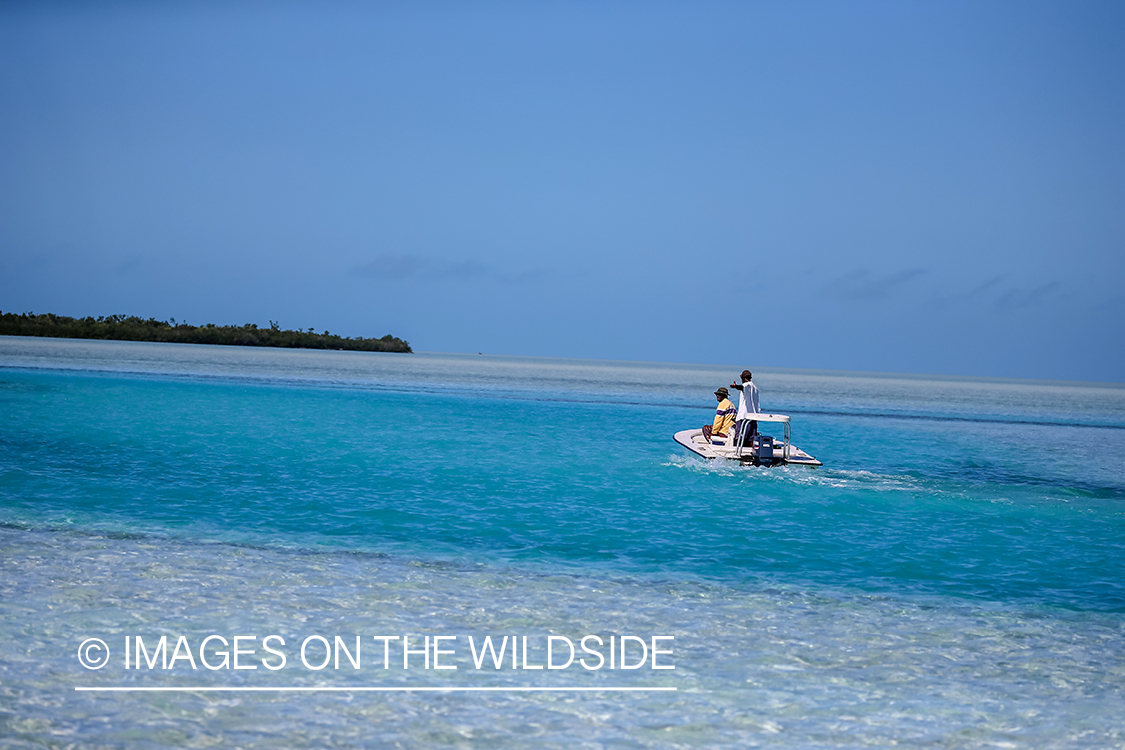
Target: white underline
[{"x": 190, "y": 689}]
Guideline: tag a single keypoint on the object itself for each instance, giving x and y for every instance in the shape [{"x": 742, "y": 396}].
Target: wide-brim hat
[{"x": 722, "y": 392}]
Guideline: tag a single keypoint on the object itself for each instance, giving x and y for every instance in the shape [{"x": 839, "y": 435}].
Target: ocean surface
[{"x": 952, "y": 577}]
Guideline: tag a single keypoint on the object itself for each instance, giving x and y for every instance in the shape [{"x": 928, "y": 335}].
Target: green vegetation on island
[{"x": 132, "y": 328}]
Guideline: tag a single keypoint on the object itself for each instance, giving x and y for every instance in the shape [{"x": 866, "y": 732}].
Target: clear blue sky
[{"x": 934, "y": 187}]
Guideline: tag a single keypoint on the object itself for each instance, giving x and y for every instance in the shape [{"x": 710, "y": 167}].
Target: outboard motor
[
  {"x": 763, "y": 448},
  {"x": 760, "y": 451}
]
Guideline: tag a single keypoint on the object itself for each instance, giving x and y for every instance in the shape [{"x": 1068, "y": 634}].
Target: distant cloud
[
  {"x": 864, "y": 286},
  {"x": 463, "y": 270},
  {"x": 977, "y": 293},
  {"x": 1019, "y": 299},
  {"x": 1001, "y": 298},
  {"x": 530, "y": 275},
  {"x": 128, "y": 265},
  {"x": 393, "y": 267},
  {"x": 399, "y": 266}
]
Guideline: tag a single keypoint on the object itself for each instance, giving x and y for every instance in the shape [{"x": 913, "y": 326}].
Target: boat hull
[{"x": 694, "y": 441}]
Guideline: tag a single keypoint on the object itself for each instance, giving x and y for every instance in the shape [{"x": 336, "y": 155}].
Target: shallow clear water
[{"x": 953, "y": 576}]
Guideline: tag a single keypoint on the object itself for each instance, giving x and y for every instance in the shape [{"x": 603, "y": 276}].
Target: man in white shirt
[{"x": 747, "y": 405}]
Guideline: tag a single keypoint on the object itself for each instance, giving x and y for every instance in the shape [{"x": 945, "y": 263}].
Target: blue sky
[{"x": 907, "y": 187}]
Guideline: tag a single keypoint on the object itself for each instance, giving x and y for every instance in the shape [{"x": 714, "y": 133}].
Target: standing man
[
  {"x": 716, "y": 432},
  {"x": 747, "y": 405}
]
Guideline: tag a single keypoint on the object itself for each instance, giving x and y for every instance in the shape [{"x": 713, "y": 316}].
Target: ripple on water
[{"x": 755, "y": 665}]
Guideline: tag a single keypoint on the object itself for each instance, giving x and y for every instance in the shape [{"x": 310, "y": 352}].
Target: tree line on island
[{"x": 132, "y": 328}]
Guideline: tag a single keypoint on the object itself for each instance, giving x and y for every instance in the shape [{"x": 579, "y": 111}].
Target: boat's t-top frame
[{"x": 761, "y": 447}]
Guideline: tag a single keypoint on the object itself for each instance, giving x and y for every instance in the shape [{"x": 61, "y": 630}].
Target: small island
[{"x": 132, "y": 328}]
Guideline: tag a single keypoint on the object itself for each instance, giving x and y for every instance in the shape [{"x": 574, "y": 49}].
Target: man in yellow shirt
[{"x": 716, "y": 432}]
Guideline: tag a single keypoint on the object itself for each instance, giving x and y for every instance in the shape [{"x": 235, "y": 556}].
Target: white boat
[{"x": 759, "y": 450}]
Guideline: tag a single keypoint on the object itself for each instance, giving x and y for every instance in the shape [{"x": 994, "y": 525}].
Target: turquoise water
[{"x": 953, "y": 576}]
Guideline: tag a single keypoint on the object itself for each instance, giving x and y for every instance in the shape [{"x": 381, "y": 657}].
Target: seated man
[{"x": 716, "y": 432}]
